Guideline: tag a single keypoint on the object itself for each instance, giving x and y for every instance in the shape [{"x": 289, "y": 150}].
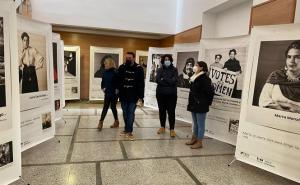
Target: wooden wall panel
[
  {"x": 167, "y": 42},
  {"x": 86, "y": 40},
  {"x": 273, "y": 12},
  {"x": 189, "y": 36}
]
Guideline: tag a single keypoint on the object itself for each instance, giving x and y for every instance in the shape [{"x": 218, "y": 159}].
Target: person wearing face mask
[
  {"x": 166, "y": 93},
  {"x": 184, "y": 78},
  {"x": 200, "y": 98},
  {"x": 131, "y": 91}
]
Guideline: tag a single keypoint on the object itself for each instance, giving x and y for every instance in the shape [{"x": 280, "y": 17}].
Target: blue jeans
[
  {"x": 199, "y": 124},
  {"x": 128, "y": 115}
]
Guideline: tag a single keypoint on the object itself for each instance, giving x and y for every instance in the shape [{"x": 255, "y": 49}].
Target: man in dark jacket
[{"x": 131, "y": 86}]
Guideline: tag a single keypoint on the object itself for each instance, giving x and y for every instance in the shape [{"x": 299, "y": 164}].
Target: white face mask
[{"x": 195, "y": 69}]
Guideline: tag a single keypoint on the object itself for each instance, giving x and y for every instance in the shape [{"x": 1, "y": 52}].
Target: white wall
[
  {"x": 234, "y": 21},
  {"x": 153, "y": 16},
  {"x": 256, "y": 2},
  {"x": 297, "y": 14}
]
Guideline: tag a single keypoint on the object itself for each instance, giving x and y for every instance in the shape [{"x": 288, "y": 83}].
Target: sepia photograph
[
  {"x": 2, "y": 66},
  {"x": 99, "y": 59},
  {"x": 143, "y": 62},
  {"x": 57, "y": 105},
  {"x": 185, "y": 64},
  {"x": 277, "y": 84},
  {"x": 32, "y": 62},
  {"x": 46, "y": 120},
  {"x": 70, "y": 63},
  {"x": 6, "y": 153}
]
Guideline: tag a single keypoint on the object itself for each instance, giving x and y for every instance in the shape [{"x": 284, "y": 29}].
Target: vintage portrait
[
  {"x": 57, "y": 105},
  {"x": 32, "y": 62},
  {"x": 155, "y": 64},
  {"x": 6, "y": 153},
  {"x": 99, "y": 59},
  {"x": 46, "y": 120},
  {"x": 277, "y": 84},
  {"x": 143, "y": 62},
  {"x": 2, "y": 66},
  {"x": 70, "y": 63},
  {"x": 74, "y": 90},
  {"x": 185, "y": 64},
  {"x": 228, "y": 62},
  {"x": 55, "y": 70}
]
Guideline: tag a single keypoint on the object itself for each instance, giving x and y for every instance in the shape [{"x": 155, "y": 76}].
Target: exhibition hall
[{"x": 150, "y": 92}]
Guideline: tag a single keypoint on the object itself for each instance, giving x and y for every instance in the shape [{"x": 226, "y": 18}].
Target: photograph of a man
[
  {"x": 70, "y": 63},
  {"x": 187, "y": 73}
]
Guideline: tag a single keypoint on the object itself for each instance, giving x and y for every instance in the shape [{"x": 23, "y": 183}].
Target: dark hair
[
  {"x": 232, "y": 50},
  {"x": 293, "y": 45},
  {"x": 219, "y": 56},
  {"x": 103, "y": 60},
  {"x": 131, "y": 53},
  {"x": 203, "y": 65},
  {"x": 24, "y": 34},
  {"x": 162, "y": 60},
  {"x": 189, "y": 60}
]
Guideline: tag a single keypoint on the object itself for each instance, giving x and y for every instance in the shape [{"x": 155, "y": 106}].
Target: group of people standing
[{"x": 127, "y": 83}]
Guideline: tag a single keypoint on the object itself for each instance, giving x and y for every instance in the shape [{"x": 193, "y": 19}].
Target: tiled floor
[{"x": 80, "y": 154}]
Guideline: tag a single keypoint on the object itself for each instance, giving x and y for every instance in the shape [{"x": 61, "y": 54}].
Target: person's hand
[
  {"x": 140, "y": 103},
  {"x": 289, "y": 107},
  {"x": 185, "y": 76}
]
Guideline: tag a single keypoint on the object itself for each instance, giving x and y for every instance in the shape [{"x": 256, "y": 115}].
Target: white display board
[
  {"x": 36, "y": 81},
  {"x": 97, "y": 57},
  {"x": 141, "y": 57},
  {"x": 269, "y": 131},
  {"x": 227, "y": 75},
  {"x": 154, "y": 57},
  {"x": 10, "y": 148},
  {"x": 63, "y": 99},
  {"x": 57, "y": 75},
  {"x": 72, "y": 72}
]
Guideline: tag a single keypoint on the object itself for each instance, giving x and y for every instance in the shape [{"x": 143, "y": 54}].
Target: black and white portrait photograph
[
  {"x": 70, "y": 63},
  {"x": 155, "y": 64},
  {"x": 143, "y": 62},
  {"x": 229, "y": 61},
  {"x": 55, "y": 70},
  {"x": 6, "y": 154},
  {"x": 46, "y": 120},
  {"x": 2, "y": 66},
  {"x": 32, "y": 62},
  {"x": 57, "y": 105},
  {"x": 277, "y": 84},
  {"x": 99, "y": 59},
  {"x": 185, "y": 64}
]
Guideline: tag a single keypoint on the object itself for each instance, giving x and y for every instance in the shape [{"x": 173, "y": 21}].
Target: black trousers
[
  {"x": 112, "y": 102},
  {"x": 167, "y": 103}
]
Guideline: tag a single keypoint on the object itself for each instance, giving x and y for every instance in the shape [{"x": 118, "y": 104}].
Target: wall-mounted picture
[
  {"x": 55, "y": 69},
  {"x": 99, "y": 59},
  {"x": 70, "y": 63},
  {"x": 155, "y": 64},
  {"x": 46, "y": 120},
  {"x": 185, "y": 64},
  {"x": 6, "y": 153},
  {"x": 57, "y": 104},
  {"x": 32, "y": 62},
  {"x": 142, "y": 59},
  {"x": 2, "y": 66}
]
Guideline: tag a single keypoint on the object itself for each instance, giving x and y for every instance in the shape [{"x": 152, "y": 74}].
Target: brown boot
[
  {"x": 115, "y": 125},
  {"x": 100, "y": 125},
  {"x": 192, "y": 141},
  {"x": 198, "y": 144}
]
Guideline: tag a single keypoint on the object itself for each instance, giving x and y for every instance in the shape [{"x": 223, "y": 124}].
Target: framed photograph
[
  {"x": 98, "y": 57},
  {"x": 6, "y": 154},
  {"x": 141, "y": 58}
]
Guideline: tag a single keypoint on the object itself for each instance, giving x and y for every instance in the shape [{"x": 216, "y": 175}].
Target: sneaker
[
  {"x": 130, "y": 136},
  {"x": 161, "y": 130},
  {"x": 123, "y": 133},
  {"x": 172, "y": 133}
]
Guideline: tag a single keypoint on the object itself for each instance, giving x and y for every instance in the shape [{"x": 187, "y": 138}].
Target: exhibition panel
[{"x": 141, "y": 57}]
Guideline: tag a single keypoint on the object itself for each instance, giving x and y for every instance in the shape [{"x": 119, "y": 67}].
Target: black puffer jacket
[
  {"x": 167, "y": 79},
  {"x": 201, "y": 94}
]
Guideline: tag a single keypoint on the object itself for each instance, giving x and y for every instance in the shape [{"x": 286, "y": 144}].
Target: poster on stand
[
  {"x": 187, "y": 56},
  {"x": 35, "y": 79},
  {"x": 98, "y": 55},
  {"x": 72, "y": 72},
  {"x": 10, "y": 148},
  {"x": 154, "y": 57},
  {"x": 62, "y": 74},
  {"x": 57, "y": 71},
  {"x": 269, "y": 132},
  {"x": 226, "y": 59},
  {"x": 141, "y": 58}
]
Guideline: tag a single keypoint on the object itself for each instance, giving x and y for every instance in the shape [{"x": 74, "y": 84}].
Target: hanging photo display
[
  {"x": 154, "y": 57},
  {"x": 6, "y": 153},
  {"x": 269, "y": 131},
  {"x": 226, "y": 59},
  {"x": 72, "y": 72},
  {"x": 99, "y": 57},
  {"x": 142, "y": 59},
  {"x": 36, "y": 81},
  {"x": 57, "y": 68}
]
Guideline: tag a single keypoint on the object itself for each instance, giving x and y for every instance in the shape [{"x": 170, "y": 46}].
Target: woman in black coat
[
  {"x": 200, "y": 98},
  {"x": 166, "y": 93}
]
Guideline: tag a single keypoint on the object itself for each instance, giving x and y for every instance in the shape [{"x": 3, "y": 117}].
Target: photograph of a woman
[{"x": 99, "y": 63}]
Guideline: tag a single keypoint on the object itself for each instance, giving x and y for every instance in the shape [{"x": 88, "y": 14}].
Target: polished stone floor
[{"x": 79, "y": 154}]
